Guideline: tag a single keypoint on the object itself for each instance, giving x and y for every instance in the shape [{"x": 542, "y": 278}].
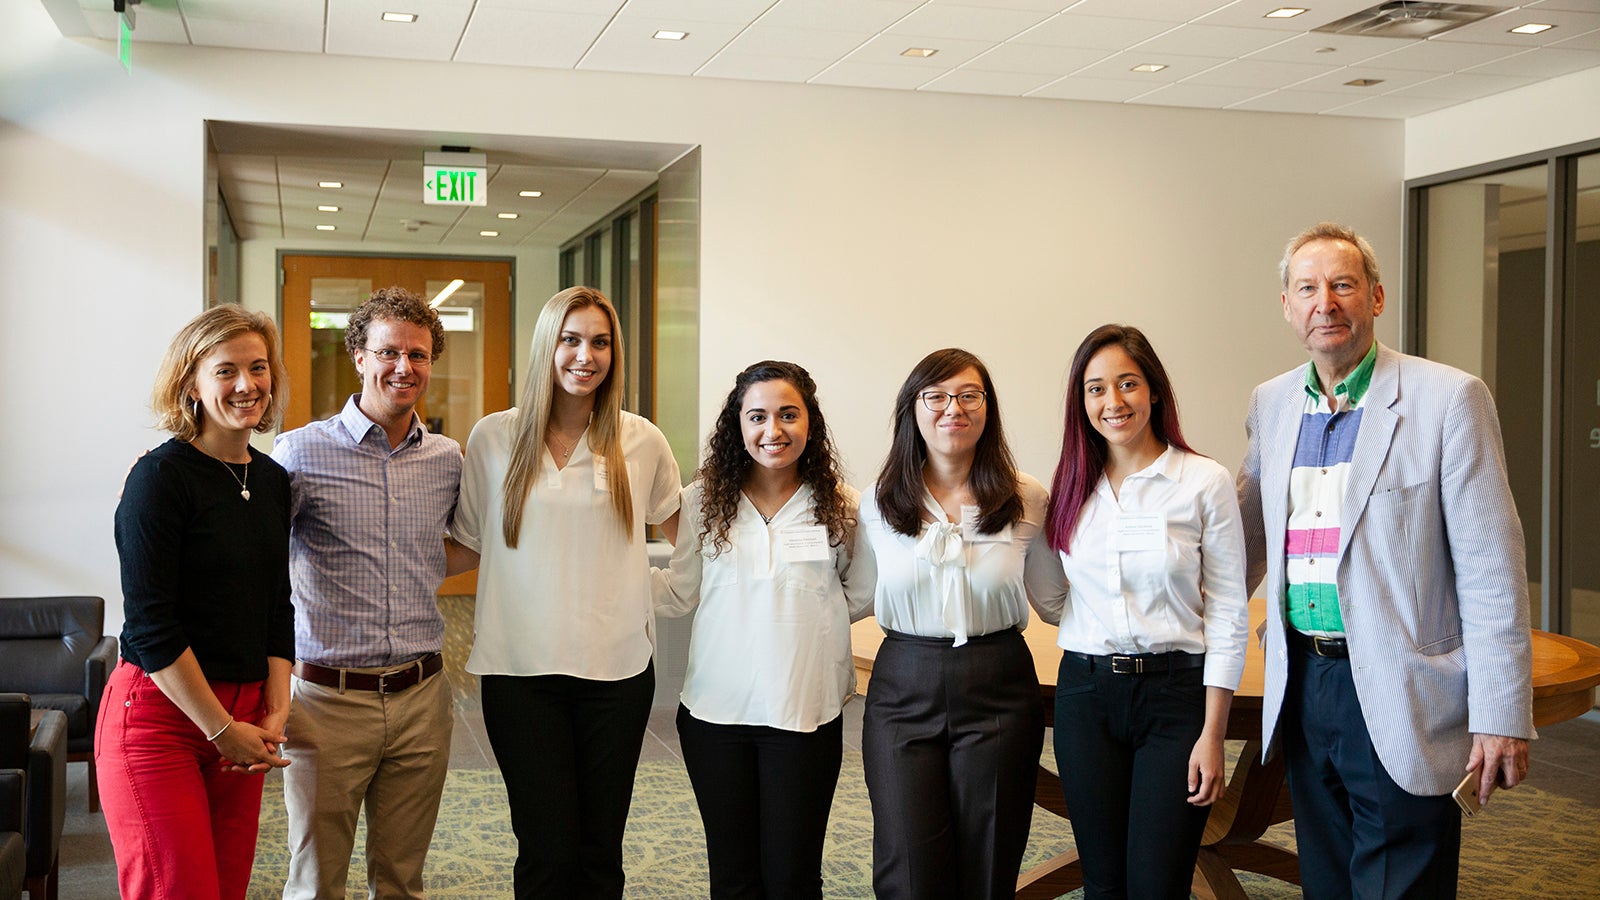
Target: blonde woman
[
  {"x": 555, "y": 496},
  {"x": 194, "y": 713}
]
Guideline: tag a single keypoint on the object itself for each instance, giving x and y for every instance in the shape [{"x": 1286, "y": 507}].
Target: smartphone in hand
[{"x": 1466, "y": 795}]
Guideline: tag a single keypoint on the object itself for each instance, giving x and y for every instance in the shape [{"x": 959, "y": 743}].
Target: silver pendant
[{"x": 245, "y": 493}]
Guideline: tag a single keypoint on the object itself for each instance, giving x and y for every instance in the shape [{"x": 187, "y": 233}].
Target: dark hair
[
  {"x": 727, "y": 463},
  {"x": 394, "y": 303},
  {"x": 994, "y": 470},
  {"x": 1083, "y": 449}
]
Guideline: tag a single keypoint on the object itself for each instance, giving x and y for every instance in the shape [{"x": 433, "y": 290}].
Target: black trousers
[
  {"x": 764, "y": 796},
  {"x": 1122, "y": 747},
  {"x": 950, "y": 745},
  {"x": 1359, "y": 834},
  {"x": 568, "y": 749}
]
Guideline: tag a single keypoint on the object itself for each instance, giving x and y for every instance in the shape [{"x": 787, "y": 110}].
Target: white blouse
[
  {"x": 951, "y": 581},
  {"x": 771, "y": 638},
  {"x": 573, "y": 598},
  {"x": 1155, "y": 568}
]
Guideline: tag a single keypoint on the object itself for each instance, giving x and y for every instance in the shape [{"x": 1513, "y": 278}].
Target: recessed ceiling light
[
  {"x": 1531, "y": 28},
  {"x": 327, "y": 209},
  {"x": 671, "y": 35},
  {"x": 919, "y": 52},
  {"x": 324, "y": 227},
  {"x": 508, "y": 215},
  {"x": 1284, "y": 12},
  {"x": 1148, "y": 67},
  {"x": 399, "y": 17},
  {"x": 530, "y": 193},
  {"x": 1364, "y": 82},
  {"x": 330, "y": 184},
  {"x": 488, "y": 234}
]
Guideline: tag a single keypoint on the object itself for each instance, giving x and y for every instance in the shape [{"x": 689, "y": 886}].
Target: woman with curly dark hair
[
  {"x": 766, "y": 553},
  {"x": 953, "y": 725}
]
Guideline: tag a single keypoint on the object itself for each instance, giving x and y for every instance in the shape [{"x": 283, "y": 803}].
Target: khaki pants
[{"x": 388, "y": 751}]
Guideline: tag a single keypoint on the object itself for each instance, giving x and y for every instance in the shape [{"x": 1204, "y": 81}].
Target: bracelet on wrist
[{"x": 212, "y": 737}]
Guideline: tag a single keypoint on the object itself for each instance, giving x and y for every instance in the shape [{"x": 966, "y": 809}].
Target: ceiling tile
[
  {"x": 885, "y": 49},
  {"x": 1091, "y": 32},
  {"x": 292, "y": 25},
  {"x": 1293, "y": 102},
  {"x": 1120, "y": 66},
  {"x": 1106, "y": 89},
  {"x": 1573, "y": 5},
  {"x": 1198, "y": 95},
  {"x": 969, "y": 22},
  {"x": 796, "y": 43},
  {"x": 515, "y": 37},
  {"x": 356, "y": 28},
  {"x": 861, "y": 74},
  {"x": 1162, "y": 11},
  {"x": 1545, "y": 62},
  {"x": 576, "y": 7},
  {"x": 1464, "y": 86},
  {"x": 1049, "y": 6},
  {"x": 729, "y": 64},
  {"x": 629, "y": 45},
  {"x": 838, "y": 15},
  {"x": 1252, "y": 14},
  {"x": 973, "y": 81},
  {"x": 1345, "y": 49},
  {"x": 1393, "y": 106},
  {"x": 1035, "y": 59},
  {"x": 1494, "y": 30},
  {"x": 1590, "y": 41},
  {"x": 732, "y": 12},
  {"x": 1213, "y": 40},
  {"x": 1441, "y": 56},
  {"x": 1390, "y": 79},
  {"x": 1260, "y": 74}
]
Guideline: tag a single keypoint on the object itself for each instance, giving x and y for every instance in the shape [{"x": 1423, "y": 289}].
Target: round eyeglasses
[{"x": 939, "y": 401}]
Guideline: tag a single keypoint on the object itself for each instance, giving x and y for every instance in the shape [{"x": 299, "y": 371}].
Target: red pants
[{"x": 180, "y": 825}]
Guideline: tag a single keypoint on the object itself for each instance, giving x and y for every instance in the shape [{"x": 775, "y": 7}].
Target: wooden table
[{"x": 1565, "y": 674}]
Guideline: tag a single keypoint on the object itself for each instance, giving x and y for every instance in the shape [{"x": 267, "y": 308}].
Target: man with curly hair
[{"x": 372, "y": 491}]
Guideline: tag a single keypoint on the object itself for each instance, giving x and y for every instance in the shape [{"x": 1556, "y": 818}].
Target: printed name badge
[
  {"x": 1146, "y": 532},
  {"x": 970, "y": 532},
  {"x": 600, "y": 482},
  {"x": 806, "y": 543}
]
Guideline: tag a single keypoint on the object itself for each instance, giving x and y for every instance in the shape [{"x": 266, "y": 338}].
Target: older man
[
  {"x": 371, "y": 494},
  {"x": 1398, "y": 655}
]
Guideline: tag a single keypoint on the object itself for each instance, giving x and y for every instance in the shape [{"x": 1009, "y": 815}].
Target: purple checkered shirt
[{"x": 366, "y": 538}]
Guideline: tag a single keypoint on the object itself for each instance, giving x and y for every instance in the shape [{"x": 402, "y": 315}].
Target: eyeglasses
[
  {"x": 389, "y": 355},
  {"x": 938, "y": 401}
]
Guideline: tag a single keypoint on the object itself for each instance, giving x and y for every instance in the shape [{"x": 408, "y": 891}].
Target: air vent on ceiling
[{"x": 1409, "y": 19}]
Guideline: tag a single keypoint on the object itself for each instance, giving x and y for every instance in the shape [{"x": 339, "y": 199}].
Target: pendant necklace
[
  {"x": 243, "y": 491},
  {"x": 566, "y": 451}
]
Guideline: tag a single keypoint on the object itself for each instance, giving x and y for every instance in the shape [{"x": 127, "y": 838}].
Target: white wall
[
  {"x": 1531, "y": 119},
  {"x": 850, "y": 230}
]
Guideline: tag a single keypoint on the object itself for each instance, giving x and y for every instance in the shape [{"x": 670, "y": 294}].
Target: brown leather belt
[{"x": 390, "y": 682}]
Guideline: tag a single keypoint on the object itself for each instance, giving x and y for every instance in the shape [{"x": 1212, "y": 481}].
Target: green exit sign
[{"x": 455, "y": 179}]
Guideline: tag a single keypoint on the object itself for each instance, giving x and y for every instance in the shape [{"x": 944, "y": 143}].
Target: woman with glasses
[
  {"x": 555, "y": 496},
  {"x": 766, "y": 560},
  {"x": 194, "y": 713},
  {"x": 953, "y": 723},
  {"x": 1153, "y": 617}
]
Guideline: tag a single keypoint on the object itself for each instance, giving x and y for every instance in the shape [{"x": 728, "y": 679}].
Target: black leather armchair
[
  {"x": 42, "y": 757},
  {"x": 54, "y": 650},
  {"x": 13, "y": 857}
]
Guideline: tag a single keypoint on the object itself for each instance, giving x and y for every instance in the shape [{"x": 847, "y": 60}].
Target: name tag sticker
[
  {"x": 969, "y": 528},
  {"x": 600, "y": 482},
  {"x": 807, "y": 543},
  {"x": 1146, "y": 532}
]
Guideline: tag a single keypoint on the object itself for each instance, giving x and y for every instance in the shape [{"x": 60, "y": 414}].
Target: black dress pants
[
  {"x": 764, "y": 796},
  {"x": 568, "y": 749},
  {"x": 950, "y": 744},
  {"x": 1122, "y": 747}
]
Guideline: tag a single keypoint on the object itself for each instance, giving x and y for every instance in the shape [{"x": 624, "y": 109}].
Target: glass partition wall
[{"x": 1504, "y": 267}]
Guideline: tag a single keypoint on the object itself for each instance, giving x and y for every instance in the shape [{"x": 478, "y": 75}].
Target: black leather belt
[
  {"x": 390, "y": 682},
  {"x": 1330, "y": 647},
  {"x": 1143, "y": 663}
]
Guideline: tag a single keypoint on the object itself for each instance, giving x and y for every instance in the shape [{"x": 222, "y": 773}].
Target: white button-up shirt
[
  {"x": 771, "y": 638},
  {"x": 1189, "y": 596}
]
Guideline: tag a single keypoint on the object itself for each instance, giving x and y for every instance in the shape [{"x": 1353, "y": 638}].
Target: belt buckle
[
  {"x": 1317, "y": 642},
  {"x": 1127, "y": 665},
  {"x": 383, "y": 681}
]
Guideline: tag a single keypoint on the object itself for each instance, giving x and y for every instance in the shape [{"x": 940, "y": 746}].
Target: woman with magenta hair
[
  {"x": 766, "y": 560},
  {"x": 1153, "y": 616}
]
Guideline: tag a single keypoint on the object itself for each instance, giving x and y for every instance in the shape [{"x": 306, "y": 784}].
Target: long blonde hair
[{"x": 538, "y": 396}]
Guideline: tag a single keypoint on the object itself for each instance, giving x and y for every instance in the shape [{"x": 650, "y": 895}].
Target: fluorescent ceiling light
[
  {"x": 330, "y": 184},
  {"x": 508, "y": 215},
  {"x": 671, "y": 35},
  {"x": 327, "y": 209},
  {"x": 488, "y": 234},
  {"x": 530, "y": 193},
  {"x": 1531, "y": 28},
  {"x": 1148, "y": 67},
  {"x": 1284, "y": 12},
  {"x": 919, "y": 52},
  {"x": 399, "y": 17},
  {"x": 324, "y": 227},
  {"x": 444, "y": 295},
  {"x": 1364, "y": 82}
]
